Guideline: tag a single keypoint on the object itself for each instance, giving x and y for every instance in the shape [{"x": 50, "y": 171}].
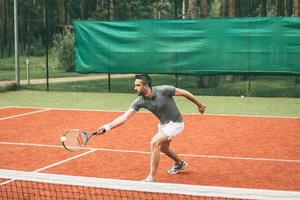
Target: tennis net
[{"x": 31, "y": 185}]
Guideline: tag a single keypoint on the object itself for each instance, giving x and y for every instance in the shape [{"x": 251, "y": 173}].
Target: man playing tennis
[{"x": 159, "y": 100}]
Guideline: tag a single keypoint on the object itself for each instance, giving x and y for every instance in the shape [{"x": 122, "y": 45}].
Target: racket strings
[
  {"x": 74, "y": 139},
  {"x": 81, "y": 139}
]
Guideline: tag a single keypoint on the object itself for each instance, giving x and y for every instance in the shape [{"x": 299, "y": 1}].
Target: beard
[{"x": 140, "y": 93}]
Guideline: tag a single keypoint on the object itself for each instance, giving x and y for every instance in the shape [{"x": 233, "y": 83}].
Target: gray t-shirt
[{"x": 161, "y": 104}]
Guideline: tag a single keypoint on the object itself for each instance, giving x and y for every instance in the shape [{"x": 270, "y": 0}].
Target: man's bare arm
[
  {"x": 192, "y": 98},
  {"x": 118, "y": 121}
]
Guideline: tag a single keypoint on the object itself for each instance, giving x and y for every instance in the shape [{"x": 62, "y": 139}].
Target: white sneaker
[
  {"x": 149, "y": 179},
  {"x": 177, "y": 167}
]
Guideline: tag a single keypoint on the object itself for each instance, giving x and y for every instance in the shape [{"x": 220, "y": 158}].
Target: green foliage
[
  {"x": 37, "y": 49},
  {"x": 9, "y": 87},
  {"x": 215, "y": 8},
  {"x": 64, "y": 50}
]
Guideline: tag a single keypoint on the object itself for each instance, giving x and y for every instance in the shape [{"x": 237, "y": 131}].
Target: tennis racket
[{"x": 75, "y": 139}]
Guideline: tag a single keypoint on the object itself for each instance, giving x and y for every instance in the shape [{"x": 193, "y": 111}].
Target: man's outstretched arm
[
  {"x": 192, "y": 98},
  {"x": 117, "y": 122}
]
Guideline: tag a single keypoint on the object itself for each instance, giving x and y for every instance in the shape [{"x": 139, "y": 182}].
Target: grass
[{"x": 121, "y": 101}]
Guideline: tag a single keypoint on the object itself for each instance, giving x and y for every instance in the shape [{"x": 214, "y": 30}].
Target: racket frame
[{"x": 86, "y": 134}]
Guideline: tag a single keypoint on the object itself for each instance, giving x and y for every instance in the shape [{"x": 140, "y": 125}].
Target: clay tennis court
[{"x": 226, "y": 151}]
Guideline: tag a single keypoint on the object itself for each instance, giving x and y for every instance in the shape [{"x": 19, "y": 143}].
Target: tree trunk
[
  {"x": 279, "y": 8},
  {"x": 111, "y": 9},
  {"x": 297, "y": 14},
  {"x": 61, "y": 15},
  {"x": 206, "y": 81},
  {"x": 192, "y": 9},
  {"x": 224, "y": 12},
  {"x": 29, "y": 36},
  {"x": 203, "y": 8},
  {"x": 232, "y": 8},
  {"x": 9, "y": 30},
  {"x": 1, "y": 27},
  {"x": 297, "y": 8},
  {"x": 233, "y": 12},
  {"x": 288, "y": 11},
  {"x": 99, "y": 6},
  {"x": 82, "y": 9},
  {"x": 42, "y": 12},
  {"x": 224, "y": 8},
  {"x": 263, "y": 8},
  {"x": 129, "y": 9},
  {"x": 22, "y": 31},
  {"x": 67, "y": 13},
  {"x": 5, "y": 27}
]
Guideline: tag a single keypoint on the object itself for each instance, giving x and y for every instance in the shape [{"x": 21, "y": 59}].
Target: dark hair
[{"x": 145, "y": 77}]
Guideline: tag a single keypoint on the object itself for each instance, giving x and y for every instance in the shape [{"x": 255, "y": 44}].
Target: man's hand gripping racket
[{"x": 76, "y": 139}]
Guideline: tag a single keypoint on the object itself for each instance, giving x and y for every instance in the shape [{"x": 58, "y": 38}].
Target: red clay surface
[{"x": 246, "y": 140}]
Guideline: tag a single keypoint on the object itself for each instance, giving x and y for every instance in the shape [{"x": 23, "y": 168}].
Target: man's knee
[
  {"x": 164, "y": 148},
  {"x": 158, "y": 141},
  {"x": 155, "y": 145}
]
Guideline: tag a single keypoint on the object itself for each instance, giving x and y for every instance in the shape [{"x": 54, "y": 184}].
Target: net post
[
  {"x": 27, "y": 71},
  {"x": 109, "y": 89},
  {"x": 17, "y": 66},
  {"x": 47, "y": 44},
  {"x": 249, "y": 85}
]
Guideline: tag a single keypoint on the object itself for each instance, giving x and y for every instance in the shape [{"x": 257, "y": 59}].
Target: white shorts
[{"x": 171, "y": 129}]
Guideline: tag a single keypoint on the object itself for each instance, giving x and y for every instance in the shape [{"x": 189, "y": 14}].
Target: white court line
[
  {"x": 54, "y": 164},
  {"x": 24, "y": 114},
  {"x": 66, "y": 160},
  {"x": 122, "y": 111},
  {"x": 146, "y": 152},
  {"x": 5, "y": 107}
]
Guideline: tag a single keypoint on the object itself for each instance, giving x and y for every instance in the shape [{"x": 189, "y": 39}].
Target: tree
[
  {"x": 64, "y": 47},
  {"x": 61, "y": 13},
  {"x": 206, "y": 81},
  {"x": 233, "y": 11},
  {"x": 279, "y": 8},
  {"x": 82, "y": 9},
  {"x": 297, "y": 8},
  {"x": 192, "y": 9},
  {"x": 2, "y": 25},
  {"x": 204, "y": 8},
  {"x": 111, "y": 9},
  {"x": 223, "y": 8},
  {"x": 288, "y": 11},
  {"x": 234, "y": 8},
  {"x": 297, "y": 14},
  {"x": 263, "y": 8}
]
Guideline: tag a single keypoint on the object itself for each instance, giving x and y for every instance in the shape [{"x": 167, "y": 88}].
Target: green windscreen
[{"x": 201, "y": 46}]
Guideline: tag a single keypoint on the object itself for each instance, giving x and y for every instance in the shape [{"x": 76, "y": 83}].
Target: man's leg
[
  {"x": 161, "y": 143},
  {"x": 156, "y": 142},
  {"x": 179, "y": 164},
  {"x": 166, "y": 149}
]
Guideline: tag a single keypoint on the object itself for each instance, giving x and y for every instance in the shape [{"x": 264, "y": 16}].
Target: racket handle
[
  {"x": 94, "y": 133},
  {"x": 102, "y": 132}
]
